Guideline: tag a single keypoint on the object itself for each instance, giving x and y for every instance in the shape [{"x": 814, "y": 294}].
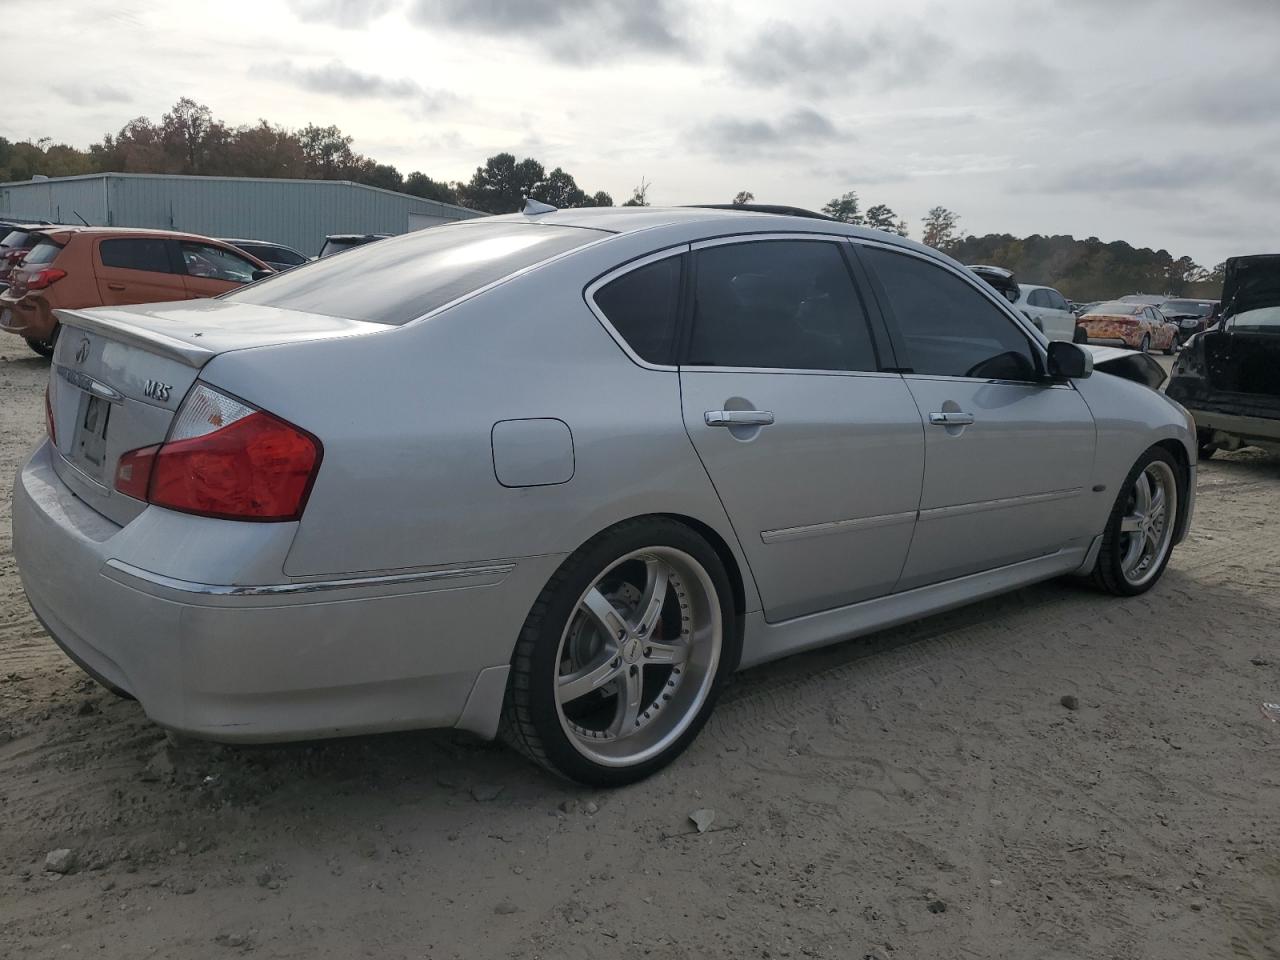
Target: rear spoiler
[{"x": 139, "y": 336}]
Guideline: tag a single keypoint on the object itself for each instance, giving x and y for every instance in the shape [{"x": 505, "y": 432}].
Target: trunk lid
[
  {"x": 120, "y": 374},
  {"x": 1251, "y": 283}
]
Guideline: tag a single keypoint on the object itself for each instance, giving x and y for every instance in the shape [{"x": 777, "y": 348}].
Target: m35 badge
[{"x": 157, "y": 390}]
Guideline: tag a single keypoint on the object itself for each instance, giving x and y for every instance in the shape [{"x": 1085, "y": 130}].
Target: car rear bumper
[
  {"x": 27, "y": 317},
  {"x": 270, "y": 662},
  {"x": 1247, "y": 430}
]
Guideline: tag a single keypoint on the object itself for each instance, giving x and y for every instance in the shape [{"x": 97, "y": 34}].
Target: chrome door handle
[
  {"x": 738, "y": 418},
  {"x": 951, "y": 419}
]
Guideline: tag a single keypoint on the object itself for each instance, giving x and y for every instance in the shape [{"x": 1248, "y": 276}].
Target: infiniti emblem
[{"x": 82, "y": 351}]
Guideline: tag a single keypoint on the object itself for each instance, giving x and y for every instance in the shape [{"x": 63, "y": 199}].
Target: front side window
[
  {"x": 948, "y": 328},
  {"x": 214, "y": 263},
  {"x": 136, "y": 253},
  {"x": 788, "y": 304},
  {"x": 1039, "y": 298},
  {"x": 1057, "y": 300},
  {"x": 642, "y": 306}
]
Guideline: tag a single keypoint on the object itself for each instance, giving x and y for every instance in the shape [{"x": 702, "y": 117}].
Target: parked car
[
  {"x": 277, "y": 256},
  {"x": 1131, "y": 324},
  {"x": 1080, "y": 309},
  {"x": 73, "y": 267},
  {"x": 1229, "y": 376},
  {"x": 14, "y": 244},
  {"x": 1147, "y": 299},
  {"x": 1043, "y": 306},
  {"x": 1190, "y": 316},
  {"x": 341, "y": 242},
  {"x": 576, "y": 470}
]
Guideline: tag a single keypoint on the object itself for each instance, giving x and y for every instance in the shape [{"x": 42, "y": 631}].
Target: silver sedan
[{"x": 556, "y": 475}]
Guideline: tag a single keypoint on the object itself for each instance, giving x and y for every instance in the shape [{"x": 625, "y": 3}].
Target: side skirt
[{"x": 766, "y": 641}]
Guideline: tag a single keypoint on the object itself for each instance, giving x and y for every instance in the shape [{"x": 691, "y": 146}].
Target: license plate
[{"x": 91, "y": 435}]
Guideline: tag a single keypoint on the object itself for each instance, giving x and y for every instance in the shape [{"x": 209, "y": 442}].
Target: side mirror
[
  {"x": 1069, "y": 361},
  {"x": 263, "y": 274}
]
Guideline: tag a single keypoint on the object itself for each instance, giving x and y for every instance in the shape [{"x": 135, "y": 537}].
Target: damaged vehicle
[{"x": 1229, "y": 376}]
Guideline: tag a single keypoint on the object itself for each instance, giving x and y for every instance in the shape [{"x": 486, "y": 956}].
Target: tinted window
[
  {"x": 1056, "y": 300},
  {"x": 1039, "y": 298},
  {"x": 396, "y": 280},
  {"x": 642, "y": 307},
  {"x": 1114, "y": 308},
  {"x": 45, "y": 251},
  {"x": 136, "y": 253},
  {"x": 789, "y": 304},
  {"x": 279, "y": 255},
  {"x": 14, "y": 238},
  {"x": 214, "y": 263},
  {"x": 948, "y": 327}
]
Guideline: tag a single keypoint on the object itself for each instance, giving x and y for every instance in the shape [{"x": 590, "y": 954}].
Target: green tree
[
  {"x": 560, "y": 190},
  {"x": 501, "y": 185},
  {"x": 639, "y": 195},
  {"x": 743, "y": 197},
  {"x": 881, "y": 217},
  {"x": 844, "y": 208},
  {"x": 189, "y": 134},
  {"x": 420, "y": 185},
  {"x": 600, "y": 199},
  {"x": 941, "y": 229},
  {"x": 326, "y": 151}
]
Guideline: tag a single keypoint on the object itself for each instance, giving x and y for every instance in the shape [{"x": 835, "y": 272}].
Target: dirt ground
[{"x": 923, "y": 793}]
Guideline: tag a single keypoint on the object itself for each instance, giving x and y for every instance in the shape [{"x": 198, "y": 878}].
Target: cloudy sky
[{"x": 1152, "y": 121}]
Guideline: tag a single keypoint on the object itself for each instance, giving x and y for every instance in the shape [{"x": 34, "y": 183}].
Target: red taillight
[
  {"x": 225, "y": 459},
  {"x": 42, "y": 278},
  {"x": 48, "y": 416}
]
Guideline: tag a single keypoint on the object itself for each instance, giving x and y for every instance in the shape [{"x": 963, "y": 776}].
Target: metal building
[{"x": 299, "y": 213}]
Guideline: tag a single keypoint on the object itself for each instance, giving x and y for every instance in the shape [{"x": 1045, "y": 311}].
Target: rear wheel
[
  {"x": 620, "y": 661},
  {"x": 1138, "y": 539}
]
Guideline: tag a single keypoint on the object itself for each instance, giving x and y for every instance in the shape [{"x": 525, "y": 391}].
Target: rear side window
[
  {"x": 1056, "y": 300},
  {"x": 949, "y": 329},
  {"x": 397, "y": 280},
  {"x": 642, "y": 306},
  {"x": 136, "y": 253},
  {"x": 786, "y": 304},
  {"x": 46, "y": 251},
  {"x": 214, "y": 263}
]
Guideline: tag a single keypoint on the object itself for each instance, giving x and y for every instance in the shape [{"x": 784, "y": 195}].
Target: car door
[
  {"x": 211, "y": 270},
  {"x": 137, "y": 270},
  {"x": 816, "y": 452},
  {"x": 1008, "y": 455},
  {"x": 1060, "y": 322}
]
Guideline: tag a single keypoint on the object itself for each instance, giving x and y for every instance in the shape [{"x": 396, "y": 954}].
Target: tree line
[{"x": 188, "y": 139}]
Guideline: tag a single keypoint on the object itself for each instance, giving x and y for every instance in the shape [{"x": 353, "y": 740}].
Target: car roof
[
  {"x": 358, "y": 236},
  {"x": 260, "y": 243},
  {"x": 71, "y": 231}
]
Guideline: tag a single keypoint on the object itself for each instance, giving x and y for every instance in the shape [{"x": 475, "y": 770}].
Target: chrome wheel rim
[
  {"x": 1146, "y": 528},
  {"x": 638, "y": 656}
]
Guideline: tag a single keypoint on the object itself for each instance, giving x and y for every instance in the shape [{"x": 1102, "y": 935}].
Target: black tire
[
  {"x": 1173, "y": 345},
  {"x": 1080, "y": 335},
  {"x": 1145, "y": 345},
  {"x": 530, "y": 718},
  {"x": 1108, "y": 573},
  {"x": 43, "y": 347},
  {"x": 1207, "y": 450}
]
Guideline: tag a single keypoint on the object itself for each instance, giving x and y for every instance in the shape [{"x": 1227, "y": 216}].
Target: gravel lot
[{"x": 923, "y": 793}]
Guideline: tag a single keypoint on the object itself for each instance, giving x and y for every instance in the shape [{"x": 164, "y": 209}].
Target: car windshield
[
  {"x": 1186, "y": 308},
  {"x": 46, "y": 251},
  {"x": 1262, "y": 320},
  {"x": 401, "y": 278},
  {"x": 1115, "y": 309},
  {"x": 14, "y": 238}
]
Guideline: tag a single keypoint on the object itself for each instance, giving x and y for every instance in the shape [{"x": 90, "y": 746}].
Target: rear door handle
[
  {"x": 951, "y": 419},
  {"x": 115, "y": 286},
  {"x": 738, "y": 418}
]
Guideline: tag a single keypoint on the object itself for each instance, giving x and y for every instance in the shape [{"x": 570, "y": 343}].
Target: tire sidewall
[
  {"x": 1112, "y": 555},
  {"x": 581, "y": 570}
]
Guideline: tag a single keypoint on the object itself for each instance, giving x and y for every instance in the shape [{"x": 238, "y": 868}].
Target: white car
[{"x": 1043, "y": 306}]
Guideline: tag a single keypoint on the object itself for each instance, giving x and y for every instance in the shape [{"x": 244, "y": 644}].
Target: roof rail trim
[{"x": 781, "y": 210}]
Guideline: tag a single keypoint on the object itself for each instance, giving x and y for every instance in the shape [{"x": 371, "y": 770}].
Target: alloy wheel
[
  {"x": 638, "y": 656},
  {"x": 1146, "y": 528}
]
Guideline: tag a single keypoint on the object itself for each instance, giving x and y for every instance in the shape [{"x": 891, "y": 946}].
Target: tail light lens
[
  {"x": 43, "y": 278},
  {"x": 225, "y": 459}
]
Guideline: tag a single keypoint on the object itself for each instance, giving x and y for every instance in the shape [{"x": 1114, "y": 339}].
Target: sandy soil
[{"x": 923, "y": 793}]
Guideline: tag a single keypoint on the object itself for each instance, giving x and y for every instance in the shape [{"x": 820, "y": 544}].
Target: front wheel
[
  {"x": 1080, "y": 335},
  {"x": 1138, "y": 539},
  {"x": 1145, "y": 345},
  {"x": 620, "y": 660},
  {"x": 43, "y": 347}
]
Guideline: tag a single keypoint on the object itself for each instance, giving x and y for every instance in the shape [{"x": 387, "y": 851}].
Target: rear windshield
[
  {"x": 1186, "y": 308},
  {"x": 1116, "y": 309},
  {"x": 46, "y": 251},
  {"x": 1262, "y": 320},
  {"x": 332, "y": 246},
  {"x": 397, "y": 280},
  {"x": 14, "y": 238}
]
